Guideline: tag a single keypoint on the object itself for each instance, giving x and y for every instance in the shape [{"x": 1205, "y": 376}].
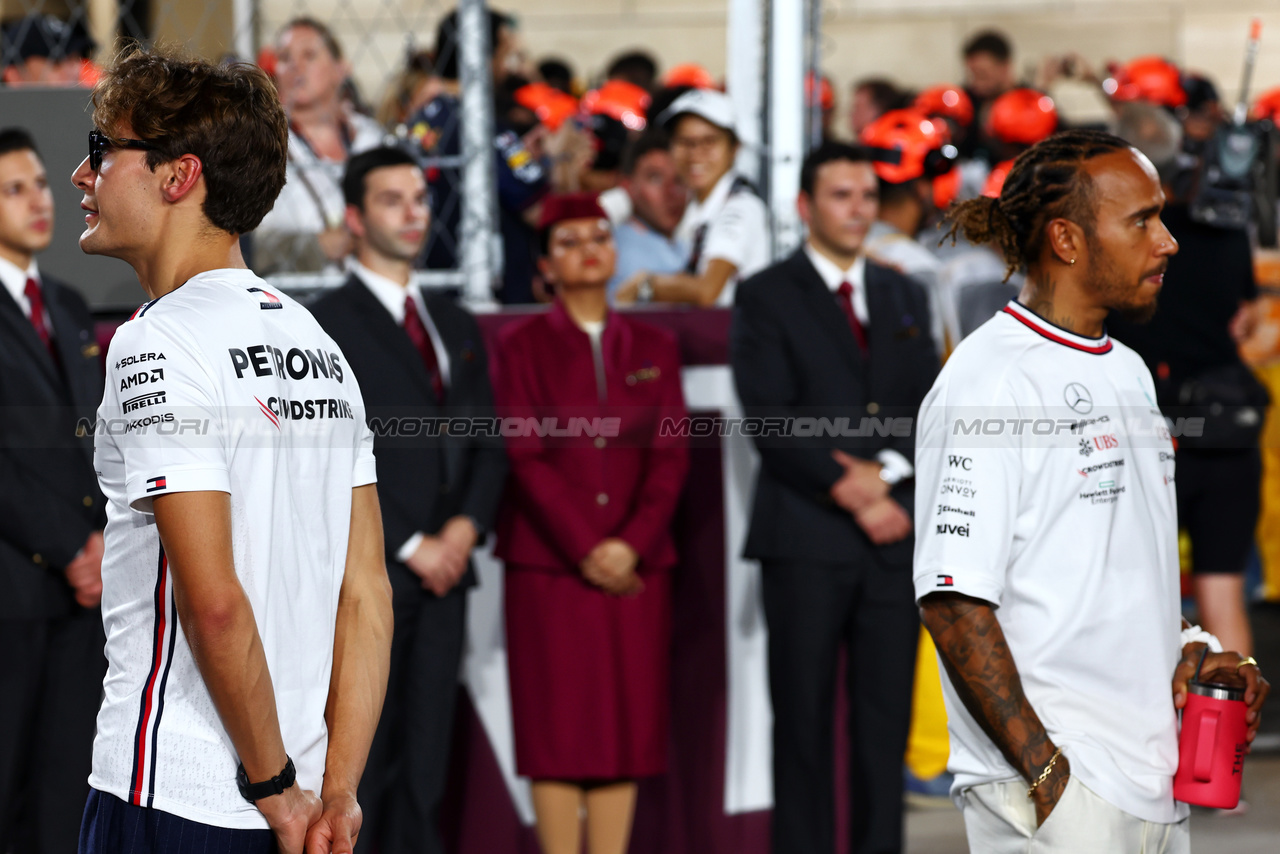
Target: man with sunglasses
[
  {"x": 51, "y": 520},
  {"x": 245, "y": 598}
]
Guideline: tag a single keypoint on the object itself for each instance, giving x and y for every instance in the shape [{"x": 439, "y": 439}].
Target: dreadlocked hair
[{"x": 1047, "y": 181}]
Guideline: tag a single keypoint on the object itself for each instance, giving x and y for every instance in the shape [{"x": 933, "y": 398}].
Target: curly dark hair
[
  {"x": 1047, "y": 181},
  {"x": 229, "y": 116}
]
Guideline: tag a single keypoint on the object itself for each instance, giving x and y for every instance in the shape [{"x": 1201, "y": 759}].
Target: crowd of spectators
[{"x": 626, "y": 192}]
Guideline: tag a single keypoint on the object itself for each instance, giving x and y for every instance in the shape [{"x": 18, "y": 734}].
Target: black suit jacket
[
  {"x": 794, "y": 355},
  {"x": 423, "y": 480},
  {"x": 49, "y": 496}
]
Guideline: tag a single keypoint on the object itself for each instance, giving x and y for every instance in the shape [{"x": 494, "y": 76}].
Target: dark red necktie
[
  {"x": 36, "y": 300},
  {"x": 417, "y": 332},
  {"x": 844, "y": 295}
]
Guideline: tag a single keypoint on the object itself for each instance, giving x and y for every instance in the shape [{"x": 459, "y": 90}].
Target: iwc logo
[{"x": 1078, "y": 398}]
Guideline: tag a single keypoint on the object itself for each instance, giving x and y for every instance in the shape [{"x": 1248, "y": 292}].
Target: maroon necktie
[
  {"x": 417, "y": 332},
  {"x": 844, "y": 295},
  {"x": 36, "y": 301}
]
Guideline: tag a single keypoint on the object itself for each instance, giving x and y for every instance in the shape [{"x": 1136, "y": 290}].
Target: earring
[{"x": 1073, "y": 262}]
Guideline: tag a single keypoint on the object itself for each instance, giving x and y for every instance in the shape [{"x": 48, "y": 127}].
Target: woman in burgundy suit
[{"x": 585, "y": 532}]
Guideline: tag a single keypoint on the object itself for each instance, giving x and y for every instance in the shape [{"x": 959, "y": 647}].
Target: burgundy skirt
[{"x": 589, "y": 676}]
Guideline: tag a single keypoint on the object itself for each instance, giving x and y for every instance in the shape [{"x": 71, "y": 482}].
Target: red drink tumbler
[{"x": 1211, "y": 746}]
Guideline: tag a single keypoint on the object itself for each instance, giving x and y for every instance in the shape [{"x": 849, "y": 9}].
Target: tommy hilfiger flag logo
[
  {"x": 945, "y": 581},
  {"x": 273, "y": 301},
  {"x": 156, "y": 484}
]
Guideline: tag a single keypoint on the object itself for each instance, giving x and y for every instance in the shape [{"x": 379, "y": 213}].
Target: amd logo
[{"x": 142, "y": 378}]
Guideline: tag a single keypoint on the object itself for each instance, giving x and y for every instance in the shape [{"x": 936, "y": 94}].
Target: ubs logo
[{"x": 1078, "y": 398}]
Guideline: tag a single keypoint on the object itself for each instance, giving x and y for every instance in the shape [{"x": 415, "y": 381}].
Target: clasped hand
[
  {"x": 84, "y": 573},
  {"x": 440, "y": 561},
  {"x": 611, "y": 566},
  {"x": 863, "y": 494},
  {"x": 304, "y": 824}
]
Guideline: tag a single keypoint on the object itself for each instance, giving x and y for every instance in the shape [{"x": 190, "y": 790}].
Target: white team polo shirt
[
  {"x": 1045, "y": 485},
  {"x": 734, "y": 223},
  {"x": 222, "y": 385}
]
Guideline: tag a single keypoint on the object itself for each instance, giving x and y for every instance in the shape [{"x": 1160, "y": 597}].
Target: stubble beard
[
  {"x": 1107, "y": 282},
  {"x": 391, "y": 248}
]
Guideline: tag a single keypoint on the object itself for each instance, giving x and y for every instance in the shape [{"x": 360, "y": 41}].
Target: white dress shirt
[
  {"x": 391, "y": 295},
  {"x": 832, "y": 276},
  {"x": 15, "y": 282}
]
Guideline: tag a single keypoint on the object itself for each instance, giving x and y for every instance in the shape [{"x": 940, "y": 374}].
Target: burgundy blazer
[{"x": 619, "y": 477}]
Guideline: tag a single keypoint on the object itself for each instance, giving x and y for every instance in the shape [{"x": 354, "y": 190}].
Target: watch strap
[{"x": 253, "y": 792}]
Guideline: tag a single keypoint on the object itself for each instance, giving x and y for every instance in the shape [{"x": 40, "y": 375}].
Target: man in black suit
[
  {"x": 51, "y": 520},
  {"x": 416, "y": 358},
  {"x": 825, "y": 334}
]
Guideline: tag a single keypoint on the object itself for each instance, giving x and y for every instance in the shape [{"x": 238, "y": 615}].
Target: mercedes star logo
[{"x": 1078, "y": 398}]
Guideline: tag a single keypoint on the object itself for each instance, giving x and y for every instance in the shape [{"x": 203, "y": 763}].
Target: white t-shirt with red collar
[{"x": 1045, "y": 486}]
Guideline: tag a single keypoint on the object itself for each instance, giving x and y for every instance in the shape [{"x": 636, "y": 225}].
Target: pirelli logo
[{"x": 144, "y": 400}]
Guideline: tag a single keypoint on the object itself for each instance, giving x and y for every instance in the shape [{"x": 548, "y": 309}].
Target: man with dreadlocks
[{"x": 1046, "y": 562}]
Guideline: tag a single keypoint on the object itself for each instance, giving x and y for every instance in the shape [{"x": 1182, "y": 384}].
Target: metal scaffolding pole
[
  {"x": 786, "y": 63},
  {"x": 479, "y": 238},
  {"x": 745, "y": 76},
  {"x": 245, "y": 28},
  {"x": 813, "y": 72}
]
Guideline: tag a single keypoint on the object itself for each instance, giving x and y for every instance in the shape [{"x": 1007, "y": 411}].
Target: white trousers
[{"x": 1000, "y": 819}]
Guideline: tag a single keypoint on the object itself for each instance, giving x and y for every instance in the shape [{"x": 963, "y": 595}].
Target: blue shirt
[{"x": 642, "y": 248}]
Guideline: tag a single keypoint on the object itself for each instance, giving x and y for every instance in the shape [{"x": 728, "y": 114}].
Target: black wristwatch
[{"x": 253, "y": 792}]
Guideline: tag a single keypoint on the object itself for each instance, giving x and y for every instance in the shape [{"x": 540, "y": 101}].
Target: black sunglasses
[{"x": 100, "y": 144}]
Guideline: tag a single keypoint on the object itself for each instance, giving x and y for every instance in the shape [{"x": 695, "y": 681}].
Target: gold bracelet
[{"x": 1044, "y": 775}]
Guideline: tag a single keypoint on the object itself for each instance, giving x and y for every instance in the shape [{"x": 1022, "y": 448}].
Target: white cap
[{"x": 707, "y": 104}]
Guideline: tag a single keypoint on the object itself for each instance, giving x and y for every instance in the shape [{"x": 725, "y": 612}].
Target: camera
[{"x": 1235, "y": 183}]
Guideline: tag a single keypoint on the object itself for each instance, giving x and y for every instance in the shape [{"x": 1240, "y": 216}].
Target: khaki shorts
[{"x": 1000, "y": 819}]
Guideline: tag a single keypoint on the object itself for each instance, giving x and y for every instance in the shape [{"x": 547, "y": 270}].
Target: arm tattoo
[{"x": 977, "y": 658}]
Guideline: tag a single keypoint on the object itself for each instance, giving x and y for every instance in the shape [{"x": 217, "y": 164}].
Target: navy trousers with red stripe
[{"x": 113, "y": 826}]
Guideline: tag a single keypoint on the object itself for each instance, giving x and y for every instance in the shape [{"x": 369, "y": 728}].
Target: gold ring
[{"x": 1248, "y": 659}]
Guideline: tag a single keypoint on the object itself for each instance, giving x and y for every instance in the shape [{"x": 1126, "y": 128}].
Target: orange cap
[
  {"x": 1267, "y": 106},
  {"x": 948, "y": 101},
  {"x": 917, "y": 137},
  {"x": 689, "y": 74},
  {"x": 550, "y": 105},
  {"x": 618, "y": 99},
  {"x": 1022, "y": 116},
  {"x": 995, "y": 179},
  {"x": 1147, "y": 78},
  {"x": 826, "y": 94}
]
